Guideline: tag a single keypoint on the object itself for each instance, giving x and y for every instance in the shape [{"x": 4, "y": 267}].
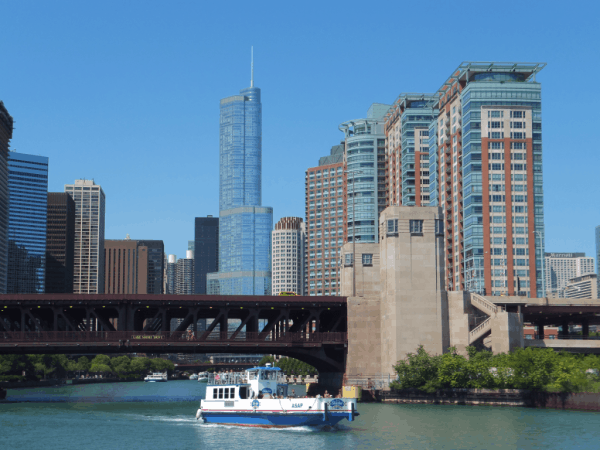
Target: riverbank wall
[
  {"x": 63, "y": 382},
  {"x": 586, "y": 401}
]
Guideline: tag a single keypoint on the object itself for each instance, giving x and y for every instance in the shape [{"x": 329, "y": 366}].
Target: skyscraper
[
  {"x": 288, "y": 242},
  {"x": 6, "y": 129},
  {"x": 60, "y": 243},
  {"x": 184, "y": 280},
  {"x": 365, "y": 177},
  {"x": 485, "y": 149},
  {"x": 28, "y": 208},
  {"x": 598, "y": 256},
  {"x": 171, "y": 270},
  {"x": 133, "y": 267},
  {"x": 562, "y": 267},
  {"x": 206, "y": 253},
  {"x": 325, "y": 219},
  {"x": 88, "y": 277},
  {"x": 244, "y": 225}
]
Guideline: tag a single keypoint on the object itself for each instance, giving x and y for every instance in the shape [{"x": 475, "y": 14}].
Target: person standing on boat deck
[{"x": 293, "y": 395}]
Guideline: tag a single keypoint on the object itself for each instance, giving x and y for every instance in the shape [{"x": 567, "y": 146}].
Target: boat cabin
[{"x": 258, "y": 382}]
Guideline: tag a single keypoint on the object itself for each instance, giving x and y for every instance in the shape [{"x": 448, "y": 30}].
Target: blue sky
[{"x": 128, "y": 93}]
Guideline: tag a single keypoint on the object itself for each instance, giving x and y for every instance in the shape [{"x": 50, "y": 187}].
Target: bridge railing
[
  {"x": 167, "y": 337},
  {"x": 573, "y": 337}
]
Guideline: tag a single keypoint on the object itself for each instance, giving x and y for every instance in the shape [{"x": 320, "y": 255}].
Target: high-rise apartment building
[
  {"x": 171, "y": 271},
  {"x": 364, "y": 163},
  {"x": 244, "y": 225},
  {"x": 562, "y": 267},
  {"x": 288, "y": 240},
  {"x": 60, "y": 243},
  {"x": 88, "y": 276},
  {"x": 585, "y": 286},
  {"x": 485, "y": 151},
  {"x": 184, "y": 280},
  {"x": 325, "y": 219},
  {"x": 133, "y": 267},
  {"x": 206, "y": 253},
  {"x": 28, "y": 208},
  {"x": 6, "y": 129},
  {"x": 407, "y": 149}
]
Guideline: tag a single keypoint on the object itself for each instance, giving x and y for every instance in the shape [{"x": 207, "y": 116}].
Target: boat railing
[{"x": 227, "y": 378}]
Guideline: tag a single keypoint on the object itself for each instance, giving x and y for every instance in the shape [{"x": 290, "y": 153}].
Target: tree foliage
[
  {"x": 530, "y": 368},
  {"x": 290, "y": 366}
]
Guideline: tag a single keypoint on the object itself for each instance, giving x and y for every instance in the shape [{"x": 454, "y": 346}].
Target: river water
[{"x": 157, "y": 416}]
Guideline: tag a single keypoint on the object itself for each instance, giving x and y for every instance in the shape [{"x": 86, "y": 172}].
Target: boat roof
[{"x": 263, "y": 368}]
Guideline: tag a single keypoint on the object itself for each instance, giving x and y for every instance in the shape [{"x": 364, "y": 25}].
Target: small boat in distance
[
  {"x": 259, "y": 397},
  {"x": 203, "y": 377},
  {"x": 156, "y": 377},
  {"x": 193, "y": 376}
]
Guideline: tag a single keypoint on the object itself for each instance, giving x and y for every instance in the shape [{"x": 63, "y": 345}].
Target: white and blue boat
[{"x": 259, "y": 397}]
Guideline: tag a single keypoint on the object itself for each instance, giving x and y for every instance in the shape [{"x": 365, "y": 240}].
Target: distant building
[
  {"x": 562, "y": 267},
  {"x": 88, "y": 277},
  {"x": 191, "y": 245},
  {"x": 206, "y": 251},
  {"x": 585, "y": 286},
  {"x": 171, "y": 279},
  {"x": 28, "y": 208},
  {"x": 184, "y": 284},
  {"x": 60, "y": 243},
  {"x": 6, "y": 129},
  {"x": 287, "y": 242},
  {"x": 133, "y": 267},
  {"x": 598, "y": 253},
  {"x": 325, "y": 218}
]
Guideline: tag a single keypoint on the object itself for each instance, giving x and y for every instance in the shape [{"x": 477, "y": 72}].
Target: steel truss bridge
[{"x": 312, "y": 329}]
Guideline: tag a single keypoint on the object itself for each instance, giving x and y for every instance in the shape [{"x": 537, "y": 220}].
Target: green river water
[{"x": 156, "y": 416}]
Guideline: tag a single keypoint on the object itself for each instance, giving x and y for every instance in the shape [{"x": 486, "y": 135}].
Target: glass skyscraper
[
  {"x": 244, "y": 225},
  {"x": 28, "y": 193}
]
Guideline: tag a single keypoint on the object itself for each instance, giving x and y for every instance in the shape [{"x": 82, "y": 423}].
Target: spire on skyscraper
[{"x": 252, "y": 66}]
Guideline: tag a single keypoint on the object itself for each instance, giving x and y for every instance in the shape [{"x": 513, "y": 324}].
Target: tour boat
[
  {"x": 203, "y": 377},
  {"x": 156, "y": 377},
  {"x": 258, "y": 397}
]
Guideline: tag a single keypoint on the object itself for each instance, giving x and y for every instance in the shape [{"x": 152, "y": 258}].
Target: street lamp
[
  {"x": 353, "y": 172},
  {"x": 540, "y": 235}
]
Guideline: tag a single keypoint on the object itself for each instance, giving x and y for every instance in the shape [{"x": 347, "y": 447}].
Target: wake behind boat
[{"x": 259, "y": 397}]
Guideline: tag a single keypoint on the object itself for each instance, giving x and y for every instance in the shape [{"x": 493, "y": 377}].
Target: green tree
[
  {"x": 83, "y": 364},
  {"x": 418, "y": 371}
]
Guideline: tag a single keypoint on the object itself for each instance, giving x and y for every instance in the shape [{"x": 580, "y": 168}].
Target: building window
[
  {"x": 348, "y": 259},
  {"x": 367, "y": 259},
  {"x": 392, "y": 227},
  {"x": 416, "y": 227}
]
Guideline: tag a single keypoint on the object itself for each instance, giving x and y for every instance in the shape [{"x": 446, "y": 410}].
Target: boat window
[
  {"x": 215, "y": 393},
  {"x": 220, "y": 392},
  {"x": 243, "y": 392},
  {"x": 226, "y": 393}
]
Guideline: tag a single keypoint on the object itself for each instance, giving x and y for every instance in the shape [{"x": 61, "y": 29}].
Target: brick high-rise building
[
  {"x": 60, "y": 243},
  {"x": 6, "y": 129},
  {"x": 325, "y": 219},
  {"x": 407, "y": 149},
  {"x": 287, "y": 243},
  {"x": 486, "y": 166},
  {"x": 133, "y": 266}
]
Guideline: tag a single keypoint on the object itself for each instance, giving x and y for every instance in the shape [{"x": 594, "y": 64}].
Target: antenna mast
[{"x": 252, "y": 66}]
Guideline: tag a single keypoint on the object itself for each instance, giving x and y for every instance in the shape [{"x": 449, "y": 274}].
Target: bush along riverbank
[
  {"x": 33, "y": 368},
  {"x": 524, "y": 377}
]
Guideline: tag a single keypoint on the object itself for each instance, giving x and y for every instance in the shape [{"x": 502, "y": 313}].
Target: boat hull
[{"x": 252, "y": 419}]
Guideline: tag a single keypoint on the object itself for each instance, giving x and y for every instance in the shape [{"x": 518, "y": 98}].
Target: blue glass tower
[
  {"x": 244, "y": 225},
  {"x": 28, "y": 191}
]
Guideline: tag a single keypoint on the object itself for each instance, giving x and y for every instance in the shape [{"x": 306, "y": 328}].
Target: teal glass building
[
  {"x": 244, "y": 224},
  {"x": 28, "y": 193}
]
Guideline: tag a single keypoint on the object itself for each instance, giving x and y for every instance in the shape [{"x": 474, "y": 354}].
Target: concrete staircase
[
  {"x": 485, "y": 327},
  {"x": 480, "y": 330},
  {"x": 484, "y": 305}
]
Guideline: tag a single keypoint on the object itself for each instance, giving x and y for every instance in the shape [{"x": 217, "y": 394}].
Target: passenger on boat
[{"x": 293, "y": 394}]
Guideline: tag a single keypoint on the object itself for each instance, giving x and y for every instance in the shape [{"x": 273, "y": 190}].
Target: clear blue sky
[{"x": 127, "y": 93}]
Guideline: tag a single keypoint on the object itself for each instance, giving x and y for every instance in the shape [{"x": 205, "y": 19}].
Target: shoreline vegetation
[
  {"x": 19, "y": 368},
  {"x": 532, "y": 369}
]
